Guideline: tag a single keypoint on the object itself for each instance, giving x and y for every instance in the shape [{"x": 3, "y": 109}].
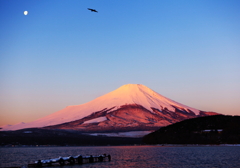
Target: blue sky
[{"x": 62, "y": 54}]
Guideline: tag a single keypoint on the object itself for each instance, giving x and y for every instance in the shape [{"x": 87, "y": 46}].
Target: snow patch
[
  {"x": 95, "y": 120},
  {"x": 131, "y": 134}
]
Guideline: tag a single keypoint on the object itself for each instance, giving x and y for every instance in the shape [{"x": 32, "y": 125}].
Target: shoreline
[{"x": 136, "y": 145}]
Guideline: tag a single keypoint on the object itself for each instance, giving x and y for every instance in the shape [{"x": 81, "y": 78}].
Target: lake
[{"x": 131, "y": 156}]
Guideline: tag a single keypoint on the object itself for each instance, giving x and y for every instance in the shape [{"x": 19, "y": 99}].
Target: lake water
[{"x": 131, "y": 156}]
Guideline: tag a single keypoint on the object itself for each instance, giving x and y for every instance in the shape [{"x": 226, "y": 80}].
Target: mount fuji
[{"x": 132, "y": 107}]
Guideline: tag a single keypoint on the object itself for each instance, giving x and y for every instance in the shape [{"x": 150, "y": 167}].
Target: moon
[{"x": 25, "y": 12}]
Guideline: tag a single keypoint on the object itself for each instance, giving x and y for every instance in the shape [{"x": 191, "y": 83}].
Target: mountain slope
[{"x": 131, "y": 105}]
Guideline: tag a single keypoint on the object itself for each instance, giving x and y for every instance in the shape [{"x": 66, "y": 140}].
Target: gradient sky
[{"x": 62, "y": 54}]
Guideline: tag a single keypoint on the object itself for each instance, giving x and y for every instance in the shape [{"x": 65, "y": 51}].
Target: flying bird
[{"x": 92, "y": 10}]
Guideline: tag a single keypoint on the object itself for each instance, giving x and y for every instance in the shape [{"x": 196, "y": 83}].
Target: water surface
[{"x": 131, "y": 156}]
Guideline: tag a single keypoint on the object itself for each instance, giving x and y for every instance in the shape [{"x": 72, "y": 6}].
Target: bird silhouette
[{"x": 92, "y": 10}]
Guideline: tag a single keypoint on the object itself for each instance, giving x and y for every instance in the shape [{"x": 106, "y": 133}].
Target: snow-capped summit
[
  {"x": 142, "y": 95},
  {"x": 131, "y": 105}
]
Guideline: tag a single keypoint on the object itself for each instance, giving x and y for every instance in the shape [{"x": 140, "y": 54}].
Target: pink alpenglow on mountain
[{"x": 128, "y": 108}]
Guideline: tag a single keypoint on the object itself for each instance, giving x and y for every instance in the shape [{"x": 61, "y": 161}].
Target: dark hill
[
  {"x": 36, "y": 137},
  {"x": 218, "y": 129}
]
